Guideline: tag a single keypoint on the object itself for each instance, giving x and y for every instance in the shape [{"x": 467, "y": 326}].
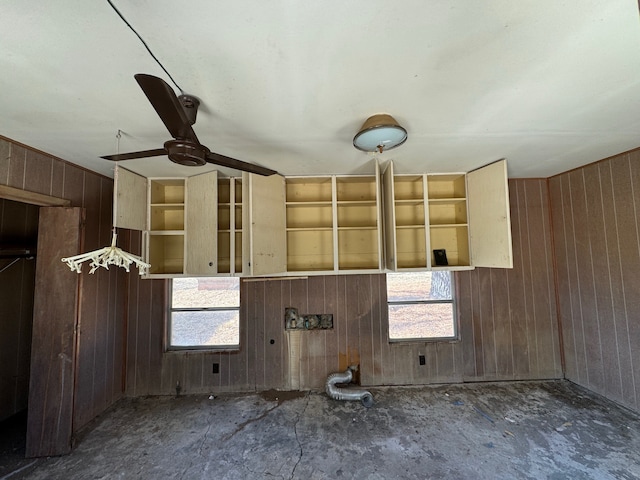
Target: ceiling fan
[{"x": 178, "y": 114}]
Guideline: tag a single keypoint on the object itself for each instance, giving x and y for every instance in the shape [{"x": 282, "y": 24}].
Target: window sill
[
  {"x": 203, "y": 349},
  {"x": 407, "y": 341}
]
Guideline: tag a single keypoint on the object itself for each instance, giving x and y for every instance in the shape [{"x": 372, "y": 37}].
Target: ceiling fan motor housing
[
  {"x": 185, "y": 152},
  {"x": 190, "y": 106}
]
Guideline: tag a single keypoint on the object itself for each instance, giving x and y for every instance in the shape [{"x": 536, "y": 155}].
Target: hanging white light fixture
[
  {"x": 379, "y": 132},
  {"x": 111, "y": 255}
]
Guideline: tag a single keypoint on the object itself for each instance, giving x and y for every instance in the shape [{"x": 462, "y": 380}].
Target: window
[
  {"x": 421, "y": 306},
  {"x": 205, "y": 313}
]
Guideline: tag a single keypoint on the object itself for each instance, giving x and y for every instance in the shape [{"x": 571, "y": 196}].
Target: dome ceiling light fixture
[{"x": 379, "y": 132}]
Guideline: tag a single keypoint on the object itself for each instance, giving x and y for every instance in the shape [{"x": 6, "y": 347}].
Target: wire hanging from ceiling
[{"x": 145, "y": 44}]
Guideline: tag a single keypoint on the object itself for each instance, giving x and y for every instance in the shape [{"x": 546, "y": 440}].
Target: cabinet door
[
  {"x": 201, "y": 238},
  {"x": 389, "y": 218},
  {"x": 489, "y": 216},
  {"x": 129, "y": 200},
  {"x": 264, "y": 226}
]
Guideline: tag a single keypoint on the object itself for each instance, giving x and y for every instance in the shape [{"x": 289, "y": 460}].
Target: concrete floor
[{"x": 534, "y": 430}]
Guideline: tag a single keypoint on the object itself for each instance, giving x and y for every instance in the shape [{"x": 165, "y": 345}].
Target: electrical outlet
[
  {"x": 422, "y": 360},
  {"x": 216, "y": 368}
]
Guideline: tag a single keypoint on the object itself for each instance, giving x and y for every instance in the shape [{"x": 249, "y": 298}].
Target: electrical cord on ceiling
[{"x": 144, "y": 43}]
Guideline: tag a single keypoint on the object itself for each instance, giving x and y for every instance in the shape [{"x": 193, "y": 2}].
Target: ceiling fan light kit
[{"x": 378, "y": 133}]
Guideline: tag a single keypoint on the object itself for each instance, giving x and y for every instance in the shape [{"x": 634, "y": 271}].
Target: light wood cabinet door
[
  {"x": 489, "y": 216},
  {"x": 129, "y": 200},
  {"x": 264, "y": 225},
  {"x": 201, "y": 238},
  {"x": 388, "y": 195}
]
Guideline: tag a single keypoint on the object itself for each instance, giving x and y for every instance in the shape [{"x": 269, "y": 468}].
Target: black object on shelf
[{"x": 440, "y": 256}]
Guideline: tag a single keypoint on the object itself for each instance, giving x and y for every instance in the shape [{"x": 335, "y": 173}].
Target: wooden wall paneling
[
  {"x": 464, "y": 307},
  {"x": 132, "y": 331},
  {"x": 57, "y": 178},
  {"x": 528, "y": 314},
  {"x": 38, "y": 172},
  {"x": 631, "y": 277},
  {"x": 603, "y": 341},
  {"x": 143, "y": 346},
  {"x": 448, "y": 363},
  {"x": 332, "y": 362},
  {"x": 585, "y": 278},
  {"x": 502, "y": 323},
  {"x": 614, "y": 258},
  {"x": 381, "y": 335},
  {"x": 156, "y": 339},
  {"x": 516, "y": 285},
  {"x": 116, "y": 359},
  {"x": 287, "y": 352},
  {"x": 194, "y": 374},
  {"x": 73, "y": 187},
  {"x": 573, "y": 293},
  {"x": 428, "y": 372},
  {"x": 365, "y": 328},
  {"x": 372, "y": 374},
  {"x": 215, "y": 380},
  {"x": 5, "y": 161},
  {"x": 234, "y": 368},
  {"x": 476, "y": 319},
  {"x": 256, "y": 330},
  {"x": 340, "y": 323},
  {"x": 403, "y": 368},
  {"x": 102, "y": 374},
  {"x": 16, "y": 166},
  {"x": 548, "y": 331},
  {"x": 559, "y": 217},
  {"x": 619, "y": 219},
  {"x": 487, "y": 321},
  {"x": 353, "y": 311},
  {"x": 539, "y": 279},
  {"x": 312, "y": 342},
  {"x": 87, "y": 318},
  {"x": 53, "y": 354},
  {"x": 273, "y": 331},
  {"x": 299, "y": 300}
]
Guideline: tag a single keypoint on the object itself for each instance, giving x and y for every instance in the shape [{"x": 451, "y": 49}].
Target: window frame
[
  {"x": 456, "y": 330},
  {"x": 200, "y": 348}
]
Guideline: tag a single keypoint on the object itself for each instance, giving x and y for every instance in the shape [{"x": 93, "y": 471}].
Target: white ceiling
[{"x": 548, "y": 85}]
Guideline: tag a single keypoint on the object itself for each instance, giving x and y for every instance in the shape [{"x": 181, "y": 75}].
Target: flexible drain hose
[{"x": 346, "y": 394}]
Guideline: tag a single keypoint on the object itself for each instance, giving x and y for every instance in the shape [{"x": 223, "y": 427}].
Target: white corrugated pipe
[{"x": 347, "y": 394}]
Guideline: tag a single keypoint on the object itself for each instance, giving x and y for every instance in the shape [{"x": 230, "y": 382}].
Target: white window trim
[
  {"x": 456, "y": 331},
  {"x": 208, "y": 348}
]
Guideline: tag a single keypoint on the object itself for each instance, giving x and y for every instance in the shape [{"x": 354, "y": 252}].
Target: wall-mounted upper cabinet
[
  {"x": 257, "y": 226},
  {"x": 447, "y": 221},
  {"x": 264, "y": 236},
  {"x": 178, "y": 218},
  {"x": 333, "y": 224}
]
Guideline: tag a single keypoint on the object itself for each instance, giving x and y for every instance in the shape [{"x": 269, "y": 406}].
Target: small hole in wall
[
  {"x": 272, "y": 341},
  {"x": 421, "y": 359},
  {"x": 216, "y": 368}
]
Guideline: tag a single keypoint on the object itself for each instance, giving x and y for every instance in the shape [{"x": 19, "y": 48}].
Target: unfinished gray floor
[{"x": 503, "y": 430}]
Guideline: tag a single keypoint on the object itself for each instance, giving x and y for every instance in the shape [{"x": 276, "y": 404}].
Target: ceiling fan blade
[
  {"x": 130, "y": 156},
  {"x": 167, "y": 106},
  {"x": 218, "y": 159}
]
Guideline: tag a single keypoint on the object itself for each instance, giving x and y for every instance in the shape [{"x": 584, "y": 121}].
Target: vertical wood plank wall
[
  {"x": 508, "y": 326},
  {"x": 18, "y": 228},
  {"x": 508, "y": 317},
  {"x": 103, "y": 294},
  {"x": 597, "y": 243}
]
